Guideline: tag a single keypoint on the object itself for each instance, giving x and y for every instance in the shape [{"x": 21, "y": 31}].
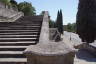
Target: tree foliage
[
  {"x": 14, "y": 4},
  {"x": 42, "y": 13},
  {"x": 7, "y": 2},
  {"x": 26, "y": 8},
  {"x": 70, "y": 27},
  {"x": 52, "y": 24},
  {"x": 59, "y": 21},
  {"x": 86, "y": 20}
]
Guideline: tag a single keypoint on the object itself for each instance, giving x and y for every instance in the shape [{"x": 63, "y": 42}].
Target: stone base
[
  {"x": 58, "y": 59},
  {"x": 50, "y": 53}
]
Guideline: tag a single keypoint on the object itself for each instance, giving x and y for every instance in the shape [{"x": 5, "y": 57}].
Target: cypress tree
[
  {"x": 86, "y": 20},
  {"x": 59, "y": 22}
]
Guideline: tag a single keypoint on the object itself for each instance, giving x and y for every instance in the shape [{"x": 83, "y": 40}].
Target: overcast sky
[{"x": 69, "y": 8}]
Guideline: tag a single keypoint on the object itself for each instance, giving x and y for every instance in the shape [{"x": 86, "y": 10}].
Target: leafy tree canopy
[
  {"x": 70, "y": 27},
  {"x": 7, "y": 2},
  {"x": 52, "y": 24},
  {"x": 26, "y": 8},
  {"x": 13, "y": 2}
]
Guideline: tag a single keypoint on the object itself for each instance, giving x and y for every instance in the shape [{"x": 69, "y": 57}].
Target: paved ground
[{"x": 82, "y": 56}]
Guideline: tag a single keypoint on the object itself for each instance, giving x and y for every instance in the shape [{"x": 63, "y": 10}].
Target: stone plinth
[{"x": 50, "y": 53}]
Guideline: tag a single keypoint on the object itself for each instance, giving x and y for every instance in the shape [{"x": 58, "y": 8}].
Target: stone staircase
[{"x": 16, "y": 36}]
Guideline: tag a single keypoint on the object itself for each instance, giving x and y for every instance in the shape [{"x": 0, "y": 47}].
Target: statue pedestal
[{"x": 50, "y": 53}]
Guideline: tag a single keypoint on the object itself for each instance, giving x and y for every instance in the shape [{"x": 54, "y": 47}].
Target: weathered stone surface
[
  {"x": 50, "y": 53},
  {"x": 9, "y": 14},
  {"x": 44, "y": 35},
  {"x": 54, "y": 34},
  {"x": 72, "y": 40}
]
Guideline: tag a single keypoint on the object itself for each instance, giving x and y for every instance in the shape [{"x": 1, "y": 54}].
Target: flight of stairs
[{"x": 15, "y": 37}]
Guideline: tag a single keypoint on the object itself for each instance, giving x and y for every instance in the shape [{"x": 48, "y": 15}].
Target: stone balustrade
[
  {"x": 7, "y": 12},
  {"x": 8, "y": 15}
]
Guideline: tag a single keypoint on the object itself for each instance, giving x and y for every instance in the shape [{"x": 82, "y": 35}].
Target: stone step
[
  {"x": 17, "y": 39},
  {"x": 20, "y": 43},
  {"x": 31, "y": 21},
  {"x": 7, "y": 60},
  {"x": 12, "y": 48},
  {"x": 18, "y": 24},
  {"x": 6, "y": 25},
  {"x": 12, "y": 54},
  {"x": 23, "y": 26},
  {"x": 20, "y": 36},
  {"x": 19, "y": 29},
  {"x": 20, "y": 33},
  {"x": 23, "y": 42}
]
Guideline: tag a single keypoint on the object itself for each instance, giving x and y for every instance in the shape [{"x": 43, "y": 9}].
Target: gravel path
[{"x": 84, "y": 57}]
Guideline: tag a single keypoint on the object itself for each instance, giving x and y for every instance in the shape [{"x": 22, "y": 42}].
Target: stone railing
[
  {"x": 7, "y": 12},
  {"x": 8, "y": 15},
  {"x": 44, "y": 35},
  {"x": 48, "y": 52},
  {"x": 15, "y": 17}
]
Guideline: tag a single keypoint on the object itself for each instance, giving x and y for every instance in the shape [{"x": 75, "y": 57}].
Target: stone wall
[{"x": 8, "y": 13}]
